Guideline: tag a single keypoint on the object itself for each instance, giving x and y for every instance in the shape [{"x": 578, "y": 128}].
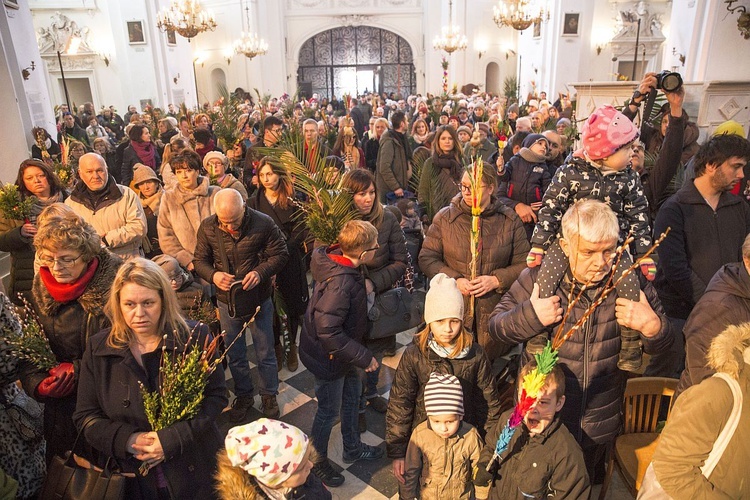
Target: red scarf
[
  {"x": 66, "y": 292},
  {"x": 146, "y": 153},
  {"x": 206, "y": 149}
]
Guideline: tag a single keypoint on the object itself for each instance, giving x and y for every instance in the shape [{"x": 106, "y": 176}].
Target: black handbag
[
  {"x": 66, "y": 480},
  {"x": 240, "y": 303},
  {"x": 395, "y": 311}
]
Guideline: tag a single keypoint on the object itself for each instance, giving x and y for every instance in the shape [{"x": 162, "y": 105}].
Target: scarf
[
  {"x": 419, "y": 139},
  {"x": 41, "y": 204},
  {"x": 145, "y": 152},
  {"x": 445, "y": 352},
  {"x": 153, "y": 202},
  {"x": 402, "y": 139},
  {"x": 532, "y": 157},
  {"x": 66, "y": 292},
  {"x": 206, "y": 149},
  {"x": 447, "y": 162}
]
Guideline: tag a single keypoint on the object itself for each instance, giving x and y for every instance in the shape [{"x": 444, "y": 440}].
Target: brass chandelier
[
  {"x": 188, "y": 18},
  {"x": 519, "y": 14},
  {"x": 450, "y": 40},
  {"x": 250, "y": 45}
]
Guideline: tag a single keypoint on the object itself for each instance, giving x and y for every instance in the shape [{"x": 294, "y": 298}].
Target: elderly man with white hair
[{"x": 595, "y": 385}]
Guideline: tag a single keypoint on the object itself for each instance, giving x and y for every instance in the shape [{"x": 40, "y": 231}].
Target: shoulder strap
[{"x": 728, "y": 431}]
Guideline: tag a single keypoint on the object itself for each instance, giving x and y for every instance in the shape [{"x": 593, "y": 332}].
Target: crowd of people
[{"x": 515, "y": 218}]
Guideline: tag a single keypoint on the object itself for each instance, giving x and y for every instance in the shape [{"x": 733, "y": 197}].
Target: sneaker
[
  {"x": 362, "y": 423},
  {"x": 326, "y": 473},
  {"x": 366, "y": 453},
  {"x": 270, "y": 406},
  {"x": 378, "y": 404},
  {"x": 535, "y": 345},
  {"x": 239, "y": 408},
  {"x": 631, "y": 355}
]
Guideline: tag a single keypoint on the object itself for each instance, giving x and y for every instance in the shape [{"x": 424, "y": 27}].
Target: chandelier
[
  {"x": 186, "y": 17},
  {"x": 250, "y": 45},
  {"x": 450, "y": 40},
  {"x": 519, "y": 14}
]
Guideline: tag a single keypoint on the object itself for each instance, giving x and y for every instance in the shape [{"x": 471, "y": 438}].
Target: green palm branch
[{"x": 226, "y": 118}]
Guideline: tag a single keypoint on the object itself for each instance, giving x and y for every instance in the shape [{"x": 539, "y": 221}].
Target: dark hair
[
  {"x": 136, "y": 131},
  {"x": 397, "y": 118},
  {"x": 719, "y": 149},
  {"x": 456, "y": 170},
  {"x": 55, "y": 185},
  {"x": 187, "y": 158},
  {"x": 202, "y": 135},
  {"x": 271, "y": 120},
  {"x": 517, "y": 139},
  {"x": 286, "y": 187},
  {"x": 360, "y": 179}
]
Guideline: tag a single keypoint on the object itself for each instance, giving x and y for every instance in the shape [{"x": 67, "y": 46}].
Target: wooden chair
[{"x": 633, "y": 449}]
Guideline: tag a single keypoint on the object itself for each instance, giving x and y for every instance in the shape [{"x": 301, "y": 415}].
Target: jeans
[
  {"x": 341, "y": 394},
  {"x": 262, "y": 331}
]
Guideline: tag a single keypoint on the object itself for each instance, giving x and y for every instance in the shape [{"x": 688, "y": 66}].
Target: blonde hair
[
  {"x": 356, "y": 236},
  {"x": 148, "y": 274},
  {"x": 66, "y": 231},
  {"x": 463, "y": 340}
]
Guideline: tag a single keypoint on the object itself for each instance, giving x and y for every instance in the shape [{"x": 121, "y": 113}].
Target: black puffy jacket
[
  {"x": 594, "y": 386},
  {"x": 406, "y": 403},
  {"x": 336, "y": 318},
  {"x": 260, "y": 247}
]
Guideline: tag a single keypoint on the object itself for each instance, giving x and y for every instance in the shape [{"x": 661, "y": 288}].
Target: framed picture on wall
[
  {"x": 171, "y": 38},
  {"x": 570, "y": 24},
  {"x": 136, "y": 35},
  {"x": 537, "y": 29}
]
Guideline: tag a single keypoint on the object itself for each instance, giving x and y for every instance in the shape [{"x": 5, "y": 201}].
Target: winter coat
[
  {"x": 446, "y": 249},
  {"x": 259, "y": 247},
  {"x": 181, "y": 214},
  {"x": 371, "y": 146},
  {"x": 698, "y": 417},
  {"x": 151, "y": 206},
  {"x": 438, "y": 468},
  {"x": 233, "y": 483},
  {"x": 129, "y": 159},
  {"x": 523, "y": 181},
  {"x": 579, "y": 180},
  {"x": 545, "y": 465},
  {"x": 393, "y": 170},
  {"x": 700, "y": 241},
  {"x": 118, "y": 216},
  {"x": 388, "y": 265},
  {"x": 594, "y": 386},
  {"x": 485, "y": 149},
  {"x": 68, "y": 327},
  {"x": 292, "y": 278},
  {"x": 77, "y": 133},
  {"x": 726, "y": 302},
  {"x": 109, "y": 391},
  {"x": 406, "y": 401},
  {"x": 231, "y": 181},
  {"x": 22, "y": 255},
  {"x": 336, "y": 319},
  {"x": 436, "y": 188}
]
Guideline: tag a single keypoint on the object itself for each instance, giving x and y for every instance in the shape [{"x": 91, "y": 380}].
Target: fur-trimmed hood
[
  {"x": 730, "y": 350},
  {"x": 233, "y": 483},
  {"x": 95, "y": 296}
]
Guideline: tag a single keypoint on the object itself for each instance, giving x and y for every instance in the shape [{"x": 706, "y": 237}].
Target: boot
[
  {"x": 535, "y": 345},
  {"x": 279, "y": 356},
  {"x": 292, "y": 361},
  {"x": 631, "y": 355}
]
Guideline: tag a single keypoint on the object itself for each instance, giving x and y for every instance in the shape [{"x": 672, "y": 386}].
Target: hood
[
  {"x": 730, "y": 350},
  {"x": 731, "y": 279},
  {"x": 233, "y": 482},
  {"x": 323, "y": 267}
]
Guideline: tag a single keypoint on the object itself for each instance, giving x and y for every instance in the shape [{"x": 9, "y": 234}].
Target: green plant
[
  {"x": 225, "y": 117},
  {"x": 12, "y": 206},
  {"x": 510, "y": 88}
]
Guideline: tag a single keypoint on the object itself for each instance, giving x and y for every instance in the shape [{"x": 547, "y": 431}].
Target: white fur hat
[{"x": 444, "y": 300}]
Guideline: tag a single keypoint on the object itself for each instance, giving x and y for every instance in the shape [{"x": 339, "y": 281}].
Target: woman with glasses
[
  {"x": 184, "y": 207},
  {"x": 35, "y": 179},
  {"x": 447, "y": 249},
  {"x": 441, "y": 172},
  {"x": 68, "y": 296}
]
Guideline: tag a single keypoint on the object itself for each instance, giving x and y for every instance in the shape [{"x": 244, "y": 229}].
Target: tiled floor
[{"x": 364, "y": 480}]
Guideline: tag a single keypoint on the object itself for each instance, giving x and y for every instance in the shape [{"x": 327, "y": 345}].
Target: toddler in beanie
[
  {"x": 599, "y": 170},
  {"x": 444, "y": 434}
]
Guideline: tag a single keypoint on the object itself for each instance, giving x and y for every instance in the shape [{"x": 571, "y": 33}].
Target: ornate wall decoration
[{"x": 56, "y": 36}]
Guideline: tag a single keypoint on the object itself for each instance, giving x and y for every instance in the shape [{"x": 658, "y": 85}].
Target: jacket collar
[
  {"x": 690, "y": 195},
  {"x": 94, "y": 200}
]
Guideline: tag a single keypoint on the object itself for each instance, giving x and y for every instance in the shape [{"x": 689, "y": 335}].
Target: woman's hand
[
  {"x": 464, "y": 286},
  {"x": 138, "y": 438},
  {"x": 147, "y": 448},
  {"x": 28, "y": 230},
  {"x": 482, "y": 285},
  {"x": 399, "y": 465}
]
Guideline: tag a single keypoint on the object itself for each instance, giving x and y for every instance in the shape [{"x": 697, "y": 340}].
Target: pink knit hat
[{"x": 605, "y": 131}]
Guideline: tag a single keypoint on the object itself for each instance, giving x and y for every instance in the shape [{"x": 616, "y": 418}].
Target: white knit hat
[
  {"x": 443, "y": 300},
  {"x": 443, "y": 395}
]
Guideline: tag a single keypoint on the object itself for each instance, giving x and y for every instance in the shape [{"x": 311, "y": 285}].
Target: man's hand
[
  {"x": 251, "y": 280},
  {"x": 223, "y": 280},
  {"x": 464, "y": 286},
  {"x": 373, "y": 365},
  {"x": 647, "y": 84},
  {"x": 399, "y": 466},
  {"x": 482, "y": 285},
  {"x": 399, "y": 192},
  {"x": 675, "y": 100},
  {"x": 637, "y": 315},
  {"x": 525, "y": 212},
  {"x": 547, "y": 310}
]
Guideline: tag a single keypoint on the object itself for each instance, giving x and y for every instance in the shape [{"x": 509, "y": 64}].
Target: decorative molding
[
  {"x": 56, "y": 36},
  {"x": 353, "y": 20},
  {"x": 62, "y": 4},
  {"x": 79, "y": 62},
  {"x": 730, "y": 108}
]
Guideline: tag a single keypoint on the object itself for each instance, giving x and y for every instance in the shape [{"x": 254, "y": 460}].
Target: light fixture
[
  {"x": 481, "y": 53},
  {"x": 450, "y": 39},
  {"x": 680, "y": 56},
  {"x": 250, "y": 45},
  {"x": 185, "y": 17},
  {"x": 26, "y": 72},
  {"x": 519, "y": 14}
]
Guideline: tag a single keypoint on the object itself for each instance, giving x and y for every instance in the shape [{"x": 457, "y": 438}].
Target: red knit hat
[{"x": 605, "y": 131}]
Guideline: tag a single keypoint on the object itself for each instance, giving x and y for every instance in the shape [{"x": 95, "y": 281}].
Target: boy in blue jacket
[{"x": 331, "y": 345}]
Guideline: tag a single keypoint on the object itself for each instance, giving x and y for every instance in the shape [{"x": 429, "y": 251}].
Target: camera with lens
[{"x": 668, "y": 81}]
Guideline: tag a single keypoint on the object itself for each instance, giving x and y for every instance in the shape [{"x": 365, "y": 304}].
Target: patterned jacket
[{"x": 578, "y": 180}]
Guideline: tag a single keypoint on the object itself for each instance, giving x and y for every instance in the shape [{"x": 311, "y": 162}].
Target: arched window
[
  {"x": 354, "y": 60},
  {"x": 218, "y": 78},
  {"x": 492, "y": 78}
]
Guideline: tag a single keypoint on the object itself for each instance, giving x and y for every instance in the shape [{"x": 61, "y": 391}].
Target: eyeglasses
[
  {"x": 62, "y": 261},
  {"x": 467, "y": 189},
  {"x": 377, "y": 246}
]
